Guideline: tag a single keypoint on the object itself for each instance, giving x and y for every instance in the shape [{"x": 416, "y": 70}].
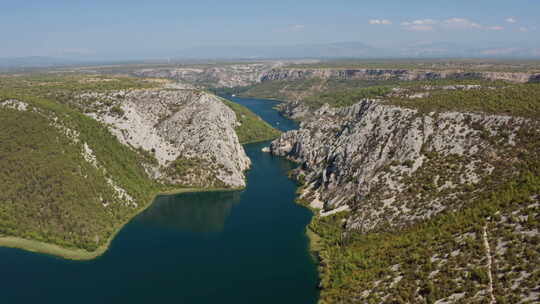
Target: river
[{"x": 216, "y": 247}]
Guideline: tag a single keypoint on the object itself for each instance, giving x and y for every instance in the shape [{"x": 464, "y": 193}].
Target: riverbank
[
  {"x": 180, "y": 243},
  {"x": 79, "y": 254},
  {"x": 252, "y": 129}
]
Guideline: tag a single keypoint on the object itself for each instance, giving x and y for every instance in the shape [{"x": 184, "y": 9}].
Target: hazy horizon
[{"x": 137, "y": 30}]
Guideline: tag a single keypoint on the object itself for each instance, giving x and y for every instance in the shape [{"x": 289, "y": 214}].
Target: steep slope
[
  {"x": 65, "y": 179},
  {"x": 191, "y": 134},
  {"x": 81, "y": 155},
  {"x": 382, "y": 155},
  {"x": 409, "y": 191},
  {"x": 250, "y": 127}
]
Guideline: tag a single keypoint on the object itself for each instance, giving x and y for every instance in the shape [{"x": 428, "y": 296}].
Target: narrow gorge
[
  {"x": 408, "y": 185},
  {"x": 405, "y": 194},
  {"x": 216, "y": 240}
]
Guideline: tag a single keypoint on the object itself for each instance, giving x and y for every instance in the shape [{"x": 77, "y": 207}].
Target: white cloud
[
  {"x": 511, "y": 20},
  {"x": 460, "y": 24},
  {"x": 380, "y": 21},
  {"x": 420, "y": 28},
  {"x": 421, "y": 22},
  {"x": 420, "y": 25},
  {"x": 426, "y": 25}
]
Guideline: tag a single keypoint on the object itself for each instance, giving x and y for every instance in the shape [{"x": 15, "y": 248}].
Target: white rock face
[
  {"x": 398, "y": 74},
  {"x": 218, "y": 76},
  {"x": 14, "y": 104},
  {"x": 367, "y": 157},
  {"x": 183, "y": 126}
]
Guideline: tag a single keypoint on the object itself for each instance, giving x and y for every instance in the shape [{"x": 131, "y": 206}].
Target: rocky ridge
[
  {"x": 285, "y": 74},
  {"x": 241, "y": 75},
  {"x": 374, "y": 159},
  {"x": 187, "y": 136},
  {"x": 400, "y": 203},
  {"x": 215, "y": 76}
]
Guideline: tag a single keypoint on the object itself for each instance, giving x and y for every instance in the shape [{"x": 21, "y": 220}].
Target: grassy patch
[
  {"x": 316, "y": 92},
  {"x": 510, "y": 99},
  {"x": 346, "y": 97},
  {"x": 252, "y": 128}
]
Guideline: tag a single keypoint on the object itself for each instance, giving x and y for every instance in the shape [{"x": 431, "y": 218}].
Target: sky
[{"x": 157, "y": 29}]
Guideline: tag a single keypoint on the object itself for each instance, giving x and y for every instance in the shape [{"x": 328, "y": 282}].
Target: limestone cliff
[
  {"x": 290, "y": 74},
  {"x": 214, "y": 76},
  {"x": 390, "y": 165},
  {"x": 426, "y": 194},
  {"x": 188, "y": 136}
]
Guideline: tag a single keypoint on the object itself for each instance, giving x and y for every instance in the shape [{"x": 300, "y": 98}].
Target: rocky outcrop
[
  {"x": 239, "y": 75},
  {"x": 188, "y": 137},
  {"x": 235, "y": 75},
  {"x": 294, "y": 109},
  {"x": 392, "y": 166},
  {"x": 393, "y": 74}
]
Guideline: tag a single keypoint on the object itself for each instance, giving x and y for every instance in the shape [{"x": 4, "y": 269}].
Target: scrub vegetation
[
  {"x": 475, "y": 65},
  {"x": 49, "y": 193},
  {"x": 67, "y": 185},
  {"x": 252, "y": 128},
  {"x": 315, "y": 92},
  {"x": 489, "y": 242},
  {"x": 492, "y": 98}
]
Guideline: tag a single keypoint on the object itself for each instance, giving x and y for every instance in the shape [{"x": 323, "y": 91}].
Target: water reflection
[{"x": 202, "y": 212}]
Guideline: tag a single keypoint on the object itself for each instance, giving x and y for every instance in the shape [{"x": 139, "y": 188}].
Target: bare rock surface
[
  {"x": 190, "y": 134},
  {"x": 290, "y": 74},
  {"x": 389, "y": 164},
  {"x": 217, "y": 76}
]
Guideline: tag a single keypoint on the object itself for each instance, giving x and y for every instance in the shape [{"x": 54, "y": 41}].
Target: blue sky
[{"x": 160, "y": 28}]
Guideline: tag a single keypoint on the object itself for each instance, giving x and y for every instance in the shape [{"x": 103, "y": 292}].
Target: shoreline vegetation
[
  {"x": 79, "y": 254},
  {"x": 59, "y": 165},
  {"x": 252, "y": 128}
]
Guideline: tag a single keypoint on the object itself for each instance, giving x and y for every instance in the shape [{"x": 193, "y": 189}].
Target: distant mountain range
[
  {"x": 323, "y": 50},
  {"x": 33, "y": 61},
  {"x": 362, "y": 50},
  {"x": 328, "y": 50}
]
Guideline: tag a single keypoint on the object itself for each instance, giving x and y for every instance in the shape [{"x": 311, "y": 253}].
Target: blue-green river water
[{"x": 220, "y": 247}]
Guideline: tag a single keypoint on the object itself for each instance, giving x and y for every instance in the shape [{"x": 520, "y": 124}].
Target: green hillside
[
  {"x": 252, "y": 128},
  {"x": 53, "y": 200}
]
